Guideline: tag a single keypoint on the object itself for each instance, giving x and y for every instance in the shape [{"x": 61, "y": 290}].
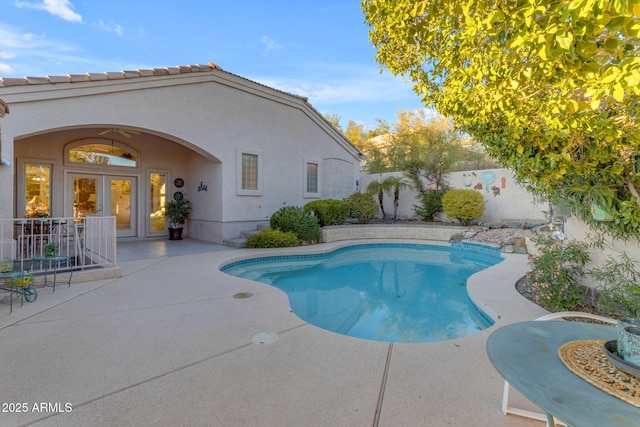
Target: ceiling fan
[{"x": 127, "y": 133}]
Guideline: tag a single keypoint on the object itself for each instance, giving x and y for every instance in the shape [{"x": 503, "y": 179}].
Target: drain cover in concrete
[
  {"x": 242, "y": 295},
  {"x": 265, "y": 338}
]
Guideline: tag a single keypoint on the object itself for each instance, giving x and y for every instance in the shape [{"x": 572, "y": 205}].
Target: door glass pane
[
  {"x": 37, "y": 190},
  {"x": 121, "y": 202},
  {"x": 158, "y": 186},
  {"x": 84, "y": 197}
]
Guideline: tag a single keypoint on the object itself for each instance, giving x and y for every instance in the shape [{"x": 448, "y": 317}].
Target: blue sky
[{"x": 313, "y": 48}]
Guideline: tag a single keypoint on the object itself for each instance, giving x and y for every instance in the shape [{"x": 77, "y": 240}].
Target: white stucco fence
[{"x": 505, "y": 199}]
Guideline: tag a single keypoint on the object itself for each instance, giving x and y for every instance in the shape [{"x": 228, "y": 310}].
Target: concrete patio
[{"x": 168, "y": 344}]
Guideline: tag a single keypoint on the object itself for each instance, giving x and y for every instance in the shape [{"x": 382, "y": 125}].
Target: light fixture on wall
[{"x": 5, "y": 162}]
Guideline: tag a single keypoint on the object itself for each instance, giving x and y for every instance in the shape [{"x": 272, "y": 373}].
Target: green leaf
[{"x": 564, "y": 40}]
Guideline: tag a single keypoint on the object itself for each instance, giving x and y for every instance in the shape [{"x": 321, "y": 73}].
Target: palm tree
[
  {"x": 397, "y": 183},
  {"x": 379, "y": 188}
]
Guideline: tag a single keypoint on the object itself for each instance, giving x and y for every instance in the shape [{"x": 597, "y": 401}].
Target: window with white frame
[
  {"x": 312, "y": 178},
  {"x": 249, "y": 172}
]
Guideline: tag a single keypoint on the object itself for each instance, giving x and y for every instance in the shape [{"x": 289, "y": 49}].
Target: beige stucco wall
[
  {"x": 511, "y": 201},
  {"x": 194, "y": 125},
  {"x": 576, "y": 229}
]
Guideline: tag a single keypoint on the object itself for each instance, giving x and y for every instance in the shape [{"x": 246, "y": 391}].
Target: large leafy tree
[{"x": 549, "y": 87}]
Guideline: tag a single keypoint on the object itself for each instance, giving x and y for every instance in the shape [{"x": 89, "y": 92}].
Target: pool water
[{"x": 383, "y": 292}]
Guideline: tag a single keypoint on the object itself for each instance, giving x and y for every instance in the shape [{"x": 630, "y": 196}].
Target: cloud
[
  {"x": 112, "y": 27},
  {"x": 14, "y": 40},
  {"x": 343, "y": 84},
  {"x": 33, "y": 55},
  {"x": 5, "y": 69},
  {"x": 59, "y": 8},
  {"x": 269, "y": 44}
]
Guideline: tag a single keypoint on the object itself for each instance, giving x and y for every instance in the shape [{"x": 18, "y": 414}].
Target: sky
[{"x": 318, "y": 49}]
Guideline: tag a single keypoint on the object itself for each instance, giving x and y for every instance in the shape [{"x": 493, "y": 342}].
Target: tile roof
[
  {"x": 116, "y": 75},
  {"x": 88, "y": 77}
]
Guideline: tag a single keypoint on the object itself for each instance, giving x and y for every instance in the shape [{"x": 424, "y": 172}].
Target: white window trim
[
  {"x": 239, "y": 190},
  {"x": 314, "y": 195}
]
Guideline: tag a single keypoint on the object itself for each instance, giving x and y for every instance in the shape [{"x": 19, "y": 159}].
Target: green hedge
[
  {"x": 268, "y": 238},
  {"x": 362, "y": 206},
  {"x": 431, "y": 204},
  {"x": 464, "y": 205},
  {"x": 330, "y": 211},
  {"x": 300, "y": 221}
]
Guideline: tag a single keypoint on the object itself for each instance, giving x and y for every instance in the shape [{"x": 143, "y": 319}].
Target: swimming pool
[{"x": 392, "y": 292}]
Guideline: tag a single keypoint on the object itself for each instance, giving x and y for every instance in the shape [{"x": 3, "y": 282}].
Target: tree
[
  {"x": 334, "y": 119},
  {"x": 550, "y": 88},
  {"x": 379, "y": 188},
  {"x": 397, "y": 183}
]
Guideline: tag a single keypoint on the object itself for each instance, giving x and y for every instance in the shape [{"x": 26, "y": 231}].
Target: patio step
[
  {"x": 236, "y": 242},
  {"x": 241, "y": 242}
]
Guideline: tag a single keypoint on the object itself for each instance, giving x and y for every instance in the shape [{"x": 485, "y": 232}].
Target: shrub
[
  {"x": 617, "y": 281},
  {"x": 329, "y": 212},
  {"x": 556, "y": 273},
  {"x": 430, "y": 204},
  {"x": 464, "y": 205},
  {"x": 301, "y": 222},
  {"x": 362, "y": 206},
  {"x": 268, "y": 238}
]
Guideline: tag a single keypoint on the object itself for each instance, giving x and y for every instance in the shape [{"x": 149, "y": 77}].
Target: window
[
  {"x": 102, "y": 152},
  {"x": 37, "y": 190},
  {"x": 249, "y": 173},
  {"x": 312, "y": 178}
]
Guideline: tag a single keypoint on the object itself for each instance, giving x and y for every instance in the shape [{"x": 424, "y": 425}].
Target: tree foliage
[{"x": 549, "y": 87}]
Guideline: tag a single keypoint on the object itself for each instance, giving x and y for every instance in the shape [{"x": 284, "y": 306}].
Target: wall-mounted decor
[
  {"x": 178, "y": 182},
  {"x": 178, "y": 195},
  {"x": 202, "y": 187}
]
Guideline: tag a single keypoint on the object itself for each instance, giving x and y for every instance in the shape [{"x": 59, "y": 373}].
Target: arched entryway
[{"x": 108, "y": 171}]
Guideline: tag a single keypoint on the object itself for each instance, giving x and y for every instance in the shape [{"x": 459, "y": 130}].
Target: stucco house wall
[{"x": 194, "y": 123}]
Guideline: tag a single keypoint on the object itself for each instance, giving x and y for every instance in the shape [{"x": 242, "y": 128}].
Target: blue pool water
[{"x": 382, "y": 292}]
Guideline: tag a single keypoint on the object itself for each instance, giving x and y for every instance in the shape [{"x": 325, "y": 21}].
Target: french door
[{"x": 91, "y": 194}]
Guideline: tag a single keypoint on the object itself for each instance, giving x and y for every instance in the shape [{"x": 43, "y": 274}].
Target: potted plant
[{"x": 177, "y": 212}]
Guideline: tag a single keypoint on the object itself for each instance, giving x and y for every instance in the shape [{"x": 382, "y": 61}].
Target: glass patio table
[{"x": 526, "y": 355}]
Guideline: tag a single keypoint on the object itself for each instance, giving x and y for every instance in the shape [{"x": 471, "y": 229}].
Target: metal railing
[{"x": 88, "y": 242}]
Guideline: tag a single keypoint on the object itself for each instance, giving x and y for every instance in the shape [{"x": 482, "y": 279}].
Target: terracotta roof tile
[
  {"x": 37, "y": 80},
  {"x": 97, "y": 76},
  {"x": 10, "y": 81},
  {"x": 146, "y": 73},
  {"x": 77, "y": 78},
  {"x": 59, "y": 79}
]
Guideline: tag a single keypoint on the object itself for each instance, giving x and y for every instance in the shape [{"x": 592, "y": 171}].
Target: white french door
[{"x": 91, "y": 194}]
